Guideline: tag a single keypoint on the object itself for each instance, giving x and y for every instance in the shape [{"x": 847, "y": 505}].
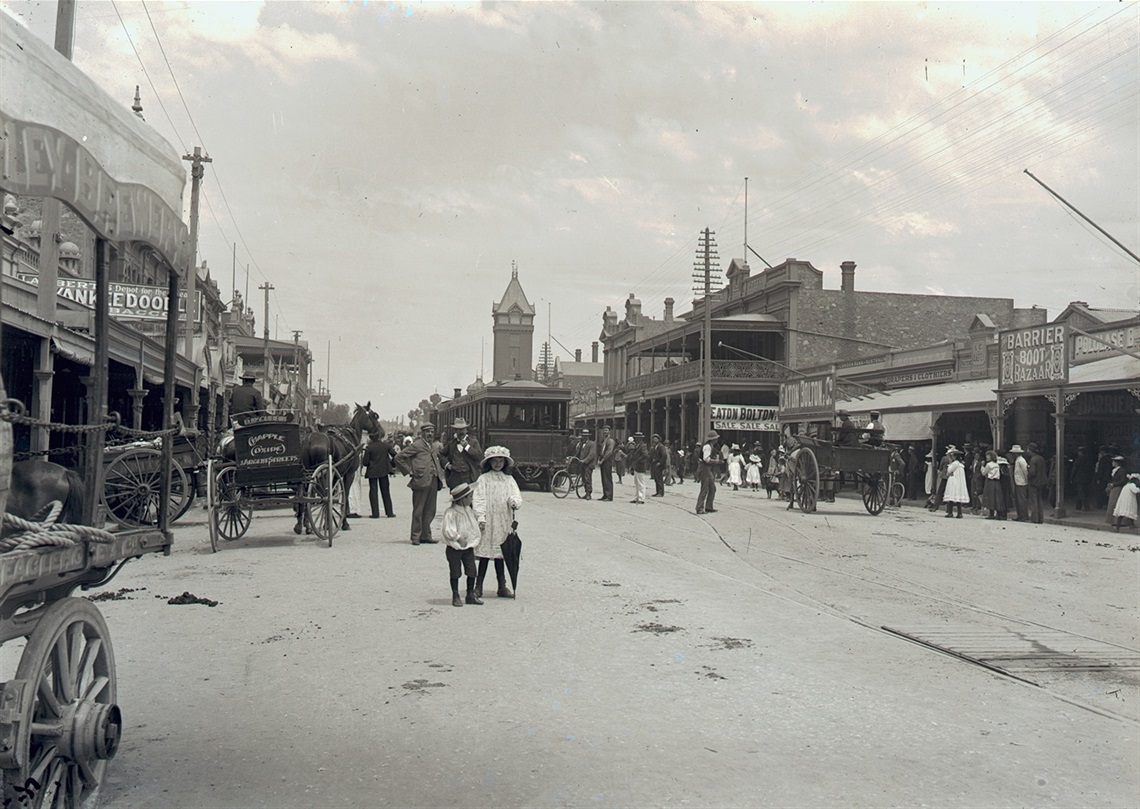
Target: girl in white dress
[
  {"x": 957, "y": 492},
  {"x": 1124, "y": 515},
  {"x": 735, "y": 467},
  {"x": 497, "y": 497}
]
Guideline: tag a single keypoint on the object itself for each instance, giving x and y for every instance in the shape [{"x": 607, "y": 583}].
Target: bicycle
[
  {"x": 564, "y": 480},
  {"x": 895, "y": 493}
]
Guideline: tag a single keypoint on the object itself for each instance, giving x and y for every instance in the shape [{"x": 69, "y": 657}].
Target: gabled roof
[
  {"x": 982, "y": 321},
  {"x": 1101, "y": 315},
  {"x": 513, "y": 297}
]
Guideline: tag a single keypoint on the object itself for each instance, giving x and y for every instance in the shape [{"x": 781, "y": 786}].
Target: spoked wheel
[
  {"x": 61, "y": 711},
  {"x": 560, "y": 484},
  {"x": 895, "y": 493},
  {"x": 579, "y": 486},
  {"x": 875, "y": 493},
  {"x": 325, "y": 501},
  {"x": 132, "y": 485},
  {"x": 229, "y": 515},
  {"x": 807, "y": 480}
]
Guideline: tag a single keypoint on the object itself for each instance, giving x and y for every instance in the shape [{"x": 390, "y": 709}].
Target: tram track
[{"x": 785, "y": 591}]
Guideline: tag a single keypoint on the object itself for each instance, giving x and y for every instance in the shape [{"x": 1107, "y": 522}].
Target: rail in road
[{"x": 846, "y": 550}]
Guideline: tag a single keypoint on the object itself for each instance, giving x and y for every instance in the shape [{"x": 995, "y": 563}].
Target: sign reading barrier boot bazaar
[
  {"x": 745, "y": 417},
  {"x": 810, "y": 398},
  {"x": 1034, "y": 357}
]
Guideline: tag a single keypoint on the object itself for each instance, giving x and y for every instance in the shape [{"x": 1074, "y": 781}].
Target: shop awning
[
  {"x": 909, "y": 413},
  {"x": 1122, "y": 371}
]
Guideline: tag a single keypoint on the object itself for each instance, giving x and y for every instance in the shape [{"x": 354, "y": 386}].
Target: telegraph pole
[
  {"x": 197, "y": 171},
  {"x": 265, "y": 376},
  {"x": 296, "y": 364},
  {"x": 706, "y": 266}
]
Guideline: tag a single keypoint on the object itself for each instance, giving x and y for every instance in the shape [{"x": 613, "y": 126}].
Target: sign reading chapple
[{"x": 1037, "y": 356}]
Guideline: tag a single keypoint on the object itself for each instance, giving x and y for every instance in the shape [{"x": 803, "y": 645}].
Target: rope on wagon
[{"x": 44, "y": 531}]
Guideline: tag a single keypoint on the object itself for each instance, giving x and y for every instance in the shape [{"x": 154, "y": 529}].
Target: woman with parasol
[{"x": 497, "y": 497}]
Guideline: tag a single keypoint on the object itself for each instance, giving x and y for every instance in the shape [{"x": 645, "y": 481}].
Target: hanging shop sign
[
  {"x": 809, "y": 396},
  {"x": 126, "y": 301},
  {"x": 745, "y": 417},
  {"x": 1035, "y": 357},
  {"x": 1126, "y": 339}
]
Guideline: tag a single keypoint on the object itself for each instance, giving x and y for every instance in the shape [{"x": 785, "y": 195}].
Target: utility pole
[
  {"x": 296, "y": 365},
  {"x": 197, "y": 171},
  {"x": 705, "y": 267},
  {"x": 265, "y": 323}
]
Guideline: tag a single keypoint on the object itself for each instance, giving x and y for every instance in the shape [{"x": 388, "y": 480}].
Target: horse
[
  {"x": 343, "y": 445},
  {"x": 36, "y": 483}
]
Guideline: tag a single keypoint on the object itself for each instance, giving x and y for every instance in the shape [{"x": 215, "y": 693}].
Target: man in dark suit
[
  {"x": 658, "y": 464},
  {"x": 461, "y": 456},
  {"x": 246, "y": 398},
  {"x": 377, "y": 463},
  {"x": 587, "y": 455},
  {"x": 421, "y": 460},
  {"x": 606, "y": 449}
]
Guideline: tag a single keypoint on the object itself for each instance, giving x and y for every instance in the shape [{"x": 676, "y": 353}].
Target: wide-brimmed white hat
[{"x": 497, "y": 452}]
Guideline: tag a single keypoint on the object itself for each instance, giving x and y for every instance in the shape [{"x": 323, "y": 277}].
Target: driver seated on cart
[
  {"x": 246, "y": 398},
  {"x": 873, "y": 432},
  {"x": 848, "y": 432}
]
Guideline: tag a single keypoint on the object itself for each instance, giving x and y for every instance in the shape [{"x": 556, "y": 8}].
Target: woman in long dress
[
  {"x": 1124, "y": 515},
  {"x": 992, "y": 499},
  {"x": 957, "y": 492},
  {"x": 735, "y": 467},
  {"x": 497, "y": 497}
]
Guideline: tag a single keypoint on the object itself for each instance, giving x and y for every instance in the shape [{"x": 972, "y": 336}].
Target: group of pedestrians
[
  {"x": 636, "y": 458},
  {"x": 484, "y": 499}
]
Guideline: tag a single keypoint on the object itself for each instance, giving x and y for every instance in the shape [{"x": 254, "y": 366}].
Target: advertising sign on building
[
  {"x": 126, "y": 302},
  {"x": 745, "y": 417},
  {"x": 1033, "y": 357},
  {"x": 1105, "y": 342},
  {"x": 807, "y": 397}
]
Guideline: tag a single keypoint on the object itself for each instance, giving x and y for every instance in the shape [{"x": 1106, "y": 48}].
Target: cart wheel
[
  {"x": 132, "y": 485},
  {"x": 560, "y": 484},
  {"x": 807, "y": 480},
  {"x": 62, "y": 709},
  {"x": 229, "y": 515},
  {"x": 325, "y": 500},
  {"x": 875, "y": 493}
]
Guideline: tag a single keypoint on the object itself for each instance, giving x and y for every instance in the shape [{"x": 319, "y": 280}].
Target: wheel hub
[{"x": 91, "y": 730}]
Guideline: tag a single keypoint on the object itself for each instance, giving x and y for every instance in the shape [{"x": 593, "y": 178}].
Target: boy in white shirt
[{"x": 461, "y": 533}]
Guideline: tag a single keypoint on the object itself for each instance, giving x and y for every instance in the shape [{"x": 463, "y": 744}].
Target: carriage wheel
[
  {"x": 325, "y": 500},
  {"x": 230, "y": 515},
  {"x": 560, "y": 484},
  {"x": 875, "y": 493},
  {"x": 62, "y": 707},
  {"x": 132, "y": 485},
  {"x": 807, "y": 480}
]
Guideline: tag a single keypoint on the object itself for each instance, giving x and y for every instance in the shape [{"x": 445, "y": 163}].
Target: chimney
[
  {"x": 848, "y": 282},
  {"x": 577, "y": 355},
  {"x": 669, "y": 310},
  {"x": 457, "y": 393},
  {"x": 594, "y": 351}
]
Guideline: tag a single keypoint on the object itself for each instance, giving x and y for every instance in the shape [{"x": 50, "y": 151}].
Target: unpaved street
[{"x": 652, "y": 658}]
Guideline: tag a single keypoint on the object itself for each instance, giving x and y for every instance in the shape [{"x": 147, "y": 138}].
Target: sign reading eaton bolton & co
[
  {"x": 745, "y": 417},
  {"x": 1037, "y": 356},
  {"x": 124, "y": 301},
  {"x": 807, "y": 396}
]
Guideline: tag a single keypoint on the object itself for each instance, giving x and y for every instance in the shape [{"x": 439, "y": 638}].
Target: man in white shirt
[
  {"x": 706, "y": 473},
  {"x": 1020, "y": 482}
]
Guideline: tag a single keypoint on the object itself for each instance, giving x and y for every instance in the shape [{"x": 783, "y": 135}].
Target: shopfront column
[
  {"x": 41, "y": 398},
  {"x": 137, "y": 395},
  {"x": 1059, "y": 453}
]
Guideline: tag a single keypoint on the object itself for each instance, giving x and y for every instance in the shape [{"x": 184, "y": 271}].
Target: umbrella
[{"x": 512, "y": 549}]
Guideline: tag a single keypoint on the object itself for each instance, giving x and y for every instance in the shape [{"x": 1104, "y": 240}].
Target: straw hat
[{"x": 497, "y": 452}]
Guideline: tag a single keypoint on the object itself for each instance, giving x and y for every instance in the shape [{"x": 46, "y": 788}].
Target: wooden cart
[
  {"x": 267, "y": 471},
  {"x": 133, "y": 476},
  {"x": 815, "y": 461}
]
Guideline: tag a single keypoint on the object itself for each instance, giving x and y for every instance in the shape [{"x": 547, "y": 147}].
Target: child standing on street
[{"x": 461, "y": 533}]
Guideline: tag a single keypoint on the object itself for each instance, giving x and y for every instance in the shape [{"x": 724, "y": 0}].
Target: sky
[{"x": 384, "y": 165}]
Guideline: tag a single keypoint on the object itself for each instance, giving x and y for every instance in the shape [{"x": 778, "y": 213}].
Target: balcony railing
[{"x": 743, "y": 370}]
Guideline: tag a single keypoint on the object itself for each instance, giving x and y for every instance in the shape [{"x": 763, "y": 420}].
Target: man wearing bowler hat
[
  {"x": 461, "y": 456},
  {"x": 246, "y": 398},
  {"x": 587, "y": 456},
  {"x": 706, "y": 473}
]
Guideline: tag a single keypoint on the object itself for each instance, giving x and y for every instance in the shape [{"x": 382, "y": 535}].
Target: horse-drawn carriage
[
  {"x": 133, "y": 476},
  {"x": 817, "y": 463},
  {"x": 272, "y": 462}
]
